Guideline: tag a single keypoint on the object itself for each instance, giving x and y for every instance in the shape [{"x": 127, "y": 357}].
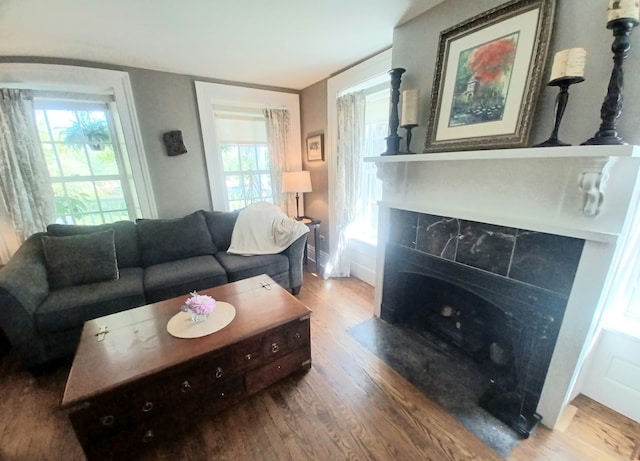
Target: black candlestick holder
[
  {"x": 409, "y": 127},
  {"x": 612, "y": 105},
  {"x": 393, "y": 140},
  {"x": 561, "y": 104}
]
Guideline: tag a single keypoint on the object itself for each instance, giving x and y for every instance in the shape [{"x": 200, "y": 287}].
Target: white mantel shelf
[
  {"x": 504, "y": 154},
  {"x": 576, "y": 191}
]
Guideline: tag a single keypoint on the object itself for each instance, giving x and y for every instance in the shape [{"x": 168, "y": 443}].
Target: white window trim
[
  {"x": 210, "y": 94},
  {"x": 377, "y": 66},
  {"x": 54, "y": 77}
]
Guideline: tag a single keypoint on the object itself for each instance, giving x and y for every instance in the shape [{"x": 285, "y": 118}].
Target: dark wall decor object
[
  {"x": 174, "y": 143},
  {"x": 315, "y": 147},
  {"x": 622, "y": 18},
  {"x": 487, "y": 78},
  {"x": 393, "y": 140}
]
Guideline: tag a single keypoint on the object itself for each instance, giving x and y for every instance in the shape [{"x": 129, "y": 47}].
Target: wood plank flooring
[{"x": 349, "y": 406}]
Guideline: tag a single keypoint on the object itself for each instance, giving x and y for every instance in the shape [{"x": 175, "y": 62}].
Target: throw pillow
[
  {"x": 125, "y": 237},
  {"x": 164, "y": 240},
  {"x": 221, "y": 225},
  {"x": 80, "y": 259}
]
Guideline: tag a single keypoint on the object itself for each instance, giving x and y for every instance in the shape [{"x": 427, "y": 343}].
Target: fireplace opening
[
  {"x": 501, "y": 343},
  {"x": 478, "y": 328}
]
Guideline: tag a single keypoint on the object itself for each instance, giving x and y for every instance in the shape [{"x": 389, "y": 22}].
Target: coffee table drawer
[{"x": 262, "y": 377}]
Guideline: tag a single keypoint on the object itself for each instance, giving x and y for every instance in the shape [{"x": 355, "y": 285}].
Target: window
[
  {"x": 245, "y": 157},
  {"x": 234, "y": 131},
  {"x": 86, "y": 163}
]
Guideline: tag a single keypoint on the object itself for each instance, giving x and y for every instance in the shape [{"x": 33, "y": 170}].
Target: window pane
[
  {"x": 103, "y": 162},
  {"x": 83, "y": 194},
  {"x": 41, "y": 123},
  {"x": 263, "y": 158},
  {"x": 113, "y": 216},
  {"x": 234, "y": 186},
  {"x": 248, "y": 159},
  {"x": 52, "y": 162},
  {"x": 230, "y": 158},
  {"x": 73, "y": 160},
  {"x": 60, "y": 121},
  {"x": 110, "y": 195},
  {"x": 251, "y": 187},
  {"x": 265, "y": 181}
]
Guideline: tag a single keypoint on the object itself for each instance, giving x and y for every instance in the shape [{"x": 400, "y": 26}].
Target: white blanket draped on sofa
[{"x": 262, "y": 228}]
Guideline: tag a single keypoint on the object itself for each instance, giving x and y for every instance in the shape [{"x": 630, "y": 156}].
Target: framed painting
[
  {"x": 488, "y": 74},
  {"x": 315, "y": 148}
]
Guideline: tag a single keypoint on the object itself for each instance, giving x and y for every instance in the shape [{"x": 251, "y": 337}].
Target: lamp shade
[{"x": 296, "y": 181}]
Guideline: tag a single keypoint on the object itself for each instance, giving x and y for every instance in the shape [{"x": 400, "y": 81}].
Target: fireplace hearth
[{"x": 497, "y": 294}]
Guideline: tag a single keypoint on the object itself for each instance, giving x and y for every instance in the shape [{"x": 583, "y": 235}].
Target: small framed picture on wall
[{"x": 315, "y": 147}]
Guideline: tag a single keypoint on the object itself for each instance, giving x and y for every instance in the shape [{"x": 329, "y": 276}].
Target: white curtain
[
  {"x": 349, "y": 158},
  {"x": 277, "y": 121},
  {"x": 24, "y": 180}
]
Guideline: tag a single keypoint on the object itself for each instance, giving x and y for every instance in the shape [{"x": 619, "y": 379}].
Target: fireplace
[
  {"x": 496, "y": 293},
  {"x": 586, "y": 193}
]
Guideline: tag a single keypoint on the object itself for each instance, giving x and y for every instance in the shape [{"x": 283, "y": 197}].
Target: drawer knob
[
  {"x": 274, "y": 348},
  {"x": 107, "y": 420},
  {"x": 218, "y": 372},
  {"x": 248, "y": 356},
  {"x": 185, "y": 387},
  {"x": 297, "y": 336},
  {"x": 147, "y": 407},
  {"x": 148, "y": 436}
]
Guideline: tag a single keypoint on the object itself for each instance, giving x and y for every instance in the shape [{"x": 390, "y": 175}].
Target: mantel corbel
[
  {"x": 392, "y": 174},
  {"x": 592, "y": 183}
]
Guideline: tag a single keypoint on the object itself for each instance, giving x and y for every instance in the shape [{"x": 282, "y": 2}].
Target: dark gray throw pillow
[
  {"x": 164, "y": 240},
  {"x": 221, "y": 225},
  {"x": 80, "y": 259},
  {"x": 125, "y": 237}
]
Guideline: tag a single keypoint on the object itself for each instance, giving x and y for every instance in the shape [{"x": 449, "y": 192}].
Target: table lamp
[{"x": 296, "y": 181}]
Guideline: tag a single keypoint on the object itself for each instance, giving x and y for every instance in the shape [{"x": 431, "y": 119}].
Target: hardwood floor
[{"x": 349, "y": 406}]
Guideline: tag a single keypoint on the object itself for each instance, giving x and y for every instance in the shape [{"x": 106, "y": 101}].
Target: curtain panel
[
  {"x": 349, "y": 158},
  {"x": 277, "y": 121},
  {"x": 24, "y": 179}
]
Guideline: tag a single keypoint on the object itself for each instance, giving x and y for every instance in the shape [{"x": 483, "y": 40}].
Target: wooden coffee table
[{"x": 130, "y": 386}]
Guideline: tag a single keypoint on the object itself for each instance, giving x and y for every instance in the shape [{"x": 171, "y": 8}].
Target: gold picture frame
[
  {"x": 315, "y": 147},
  {"x": 488, "y": 75}
]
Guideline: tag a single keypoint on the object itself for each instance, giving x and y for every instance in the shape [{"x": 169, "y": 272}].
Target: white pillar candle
[
  {"x": 410, "y": 102},
  {"x": 568, "y": 63},
  {"x": 619, "y": 9}
]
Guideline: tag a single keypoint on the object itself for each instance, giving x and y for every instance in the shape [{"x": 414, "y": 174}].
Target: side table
[{"x": 313, "y": 224}]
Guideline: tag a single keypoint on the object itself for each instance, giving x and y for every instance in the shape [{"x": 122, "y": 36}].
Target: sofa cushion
[
  {"x": 177, "y": 278},
  {"x": 80, "y": 259},
  {"x": 220, "y": 224},
  {"x": 68, "y": 308},
  {"x": 241, "y": 267},
  {"x": 125, "y": 237},
  {"x": 163, "y": 240}
]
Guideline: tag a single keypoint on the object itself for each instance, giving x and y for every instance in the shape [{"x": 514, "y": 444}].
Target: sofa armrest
[
  {"x": 295, "y": 253},
  {"x": 23, "y": 287}
]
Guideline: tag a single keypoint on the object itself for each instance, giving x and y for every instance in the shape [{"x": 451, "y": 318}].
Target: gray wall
[
  {"x": 165, "y": 102},
  {"x": 313, "y": 116},
  {"x": 578, "y": 23}
]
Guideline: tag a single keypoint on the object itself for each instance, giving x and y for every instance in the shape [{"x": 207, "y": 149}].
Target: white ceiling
[{"x": 282, "y": 43}]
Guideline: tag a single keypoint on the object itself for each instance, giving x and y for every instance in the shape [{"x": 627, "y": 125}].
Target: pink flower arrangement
[{"x": 199, "y": 304}]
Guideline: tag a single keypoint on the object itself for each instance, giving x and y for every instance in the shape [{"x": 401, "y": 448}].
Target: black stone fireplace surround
[{"x": 498, "y": 294}]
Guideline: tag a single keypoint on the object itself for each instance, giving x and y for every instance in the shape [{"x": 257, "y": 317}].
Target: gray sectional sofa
[{"x": 70, "y": 274}]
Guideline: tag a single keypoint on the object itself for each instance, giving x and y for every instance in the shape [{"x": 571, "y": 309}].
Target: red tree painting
[{"x": 482, "y": 81}]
